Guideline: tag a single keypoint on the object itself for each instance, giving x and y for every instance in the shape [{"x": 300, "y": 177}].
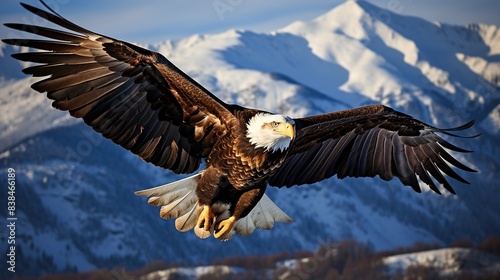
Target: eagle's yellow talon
[
  {"x": 206, "y": 218},
  {"x": 224, "y": 227}
]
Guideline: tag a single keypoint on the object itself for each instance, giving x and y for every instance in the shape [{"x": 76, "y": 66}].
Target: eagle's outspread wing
[
  {"x": 369, "y": 141},
  {"x": 129, "y": 94}
]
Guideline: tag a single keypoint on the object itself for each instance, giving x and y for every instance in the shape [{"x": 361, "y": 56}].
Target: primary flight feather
[{"x": 141, "y": 101}]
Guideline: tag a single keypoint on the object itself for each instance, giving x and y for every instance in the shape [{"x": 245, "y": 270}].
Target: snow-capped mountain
[{"x": 74, "y": 196}]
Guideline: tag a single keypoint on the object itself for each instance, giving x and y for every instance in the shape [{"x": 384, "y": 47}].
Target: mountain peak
[
  {"x": 354, "y": 10},
  {"x": 352, "y": 18}
]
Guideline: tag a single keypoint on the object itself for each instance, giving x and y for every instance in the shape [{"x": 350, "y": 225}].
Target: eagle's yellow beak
[{"x": 287, "y": 129}]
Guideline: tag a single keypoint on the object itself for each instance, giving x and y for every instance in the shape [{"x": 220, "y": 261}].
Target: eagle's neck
[{"x": 261, "y": 135}]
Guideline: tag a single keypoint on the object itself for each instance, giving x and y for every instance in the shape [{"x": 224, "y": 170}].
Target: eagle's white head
[{"x": 271, "y": 132}]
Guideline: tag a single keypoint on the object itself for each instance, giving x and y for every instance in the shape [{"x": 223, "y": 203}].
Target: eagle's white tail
[{"x": 178, "y": 200}]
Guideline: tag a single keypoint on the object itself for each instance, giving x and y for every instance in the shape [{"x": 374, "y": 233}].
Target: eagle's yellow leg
[
  {"x": 224, "y": 226},
  {"x": 206, "y": 218}
]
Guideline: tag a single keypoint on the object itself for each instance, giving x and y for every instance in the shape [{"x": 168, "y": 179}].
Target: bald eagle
[{"x": 144, "y": 103}]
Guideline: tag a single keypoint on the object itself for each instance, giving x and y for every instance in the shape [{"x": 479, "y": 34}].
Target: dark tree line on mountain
[{"x": 346, "y": 259}]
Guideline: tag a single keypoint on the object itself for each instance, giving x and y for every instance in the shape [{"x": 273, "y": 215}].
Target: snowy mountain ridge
[{"x": 82, "y": 212}]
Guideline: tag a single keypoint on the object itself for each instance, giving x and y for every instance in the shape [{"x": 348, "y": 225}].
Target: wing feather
[
  {"x": 406, "y": 174},
  {"x": 133, "y": 96},
  {"x": 366, "y": 142},
  {"x": 340, "y": 152},
  {"x": 388, "y": 169},
  {"x": 324, "y": 164},
  {"x": 363, "y": 146},
  {"x": 422, "y": 168},
  {"x": 443, "y": 166},
  {"x": 45, "y": 32},
  {"x": 59, "y": 70}
]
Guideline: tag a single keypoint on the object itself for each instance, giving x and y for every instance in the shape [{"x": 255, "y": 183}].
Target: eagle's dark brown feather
[
  {"x": 131, "y": 95},
  {"x": 369, "y": 141}
]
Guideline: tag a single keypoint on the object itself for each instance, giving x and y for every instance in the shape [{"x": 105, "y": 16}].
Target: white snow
[
  {"x": 447, "y": 261},
  {"x": 189, "y": 272},
  {"x": 26, "y": 112}
]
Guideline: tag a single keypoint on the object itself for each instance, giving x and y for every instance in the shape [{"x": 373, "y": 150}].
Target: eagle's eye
[{"x": 274, "y": 124}]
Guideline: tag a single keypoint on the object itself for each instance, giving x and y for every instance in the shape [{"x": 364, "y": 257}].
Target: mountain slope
[
  {"x": 447, "y": 262},
  {"x": 76, "y": 201}
]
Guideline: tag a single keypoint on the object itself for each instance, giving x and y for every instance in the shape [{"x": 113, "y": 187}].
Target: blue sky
[{"x": 156, "y": 20}]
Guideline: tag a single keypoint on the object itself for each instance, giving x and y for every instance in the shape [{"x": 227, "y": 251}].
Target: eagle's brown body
[
  {"x": 236, "y": 170},
  {"x": 141, "y": 101}
]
